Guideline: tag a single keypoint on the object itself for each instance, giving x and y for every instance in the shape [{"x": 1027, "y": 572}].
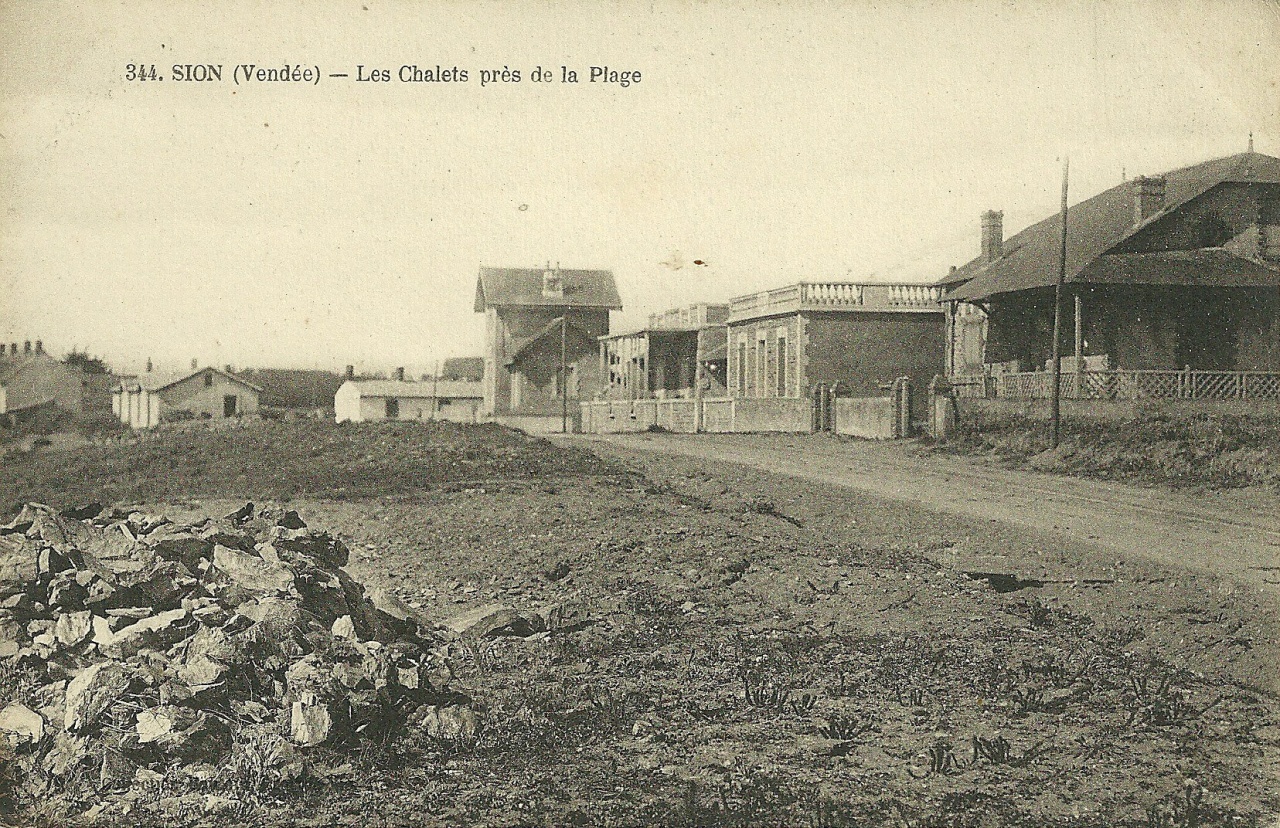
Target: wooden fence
[{"x": 1123, "y": 385}]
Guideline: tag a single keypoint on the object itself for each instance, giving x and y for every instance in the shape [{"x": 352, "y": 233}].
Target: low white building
[
  {"x": 207, "y": 393},
  {"x": 362, "y": 400}
]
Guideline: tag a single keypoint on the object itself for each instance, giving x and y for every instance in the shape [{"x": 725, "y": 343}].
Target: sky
[{"x": 344, "y": 222}]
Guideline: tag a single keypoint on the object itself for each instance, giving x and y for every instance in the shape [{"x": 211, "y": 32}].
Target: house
[
  {"x": 294, "y": 388},
  {"x": 862, "y": 336},
  {"x": 1178, "y": 272},
  {"x": 463, "y": 368},
  {"x": 33, "y": 378},
  {"x": 681, "y": 354},
  {"x": 533, "y": 318},
  {"x": 206, "y": 393},
  {"x": 364, "y": 400}
]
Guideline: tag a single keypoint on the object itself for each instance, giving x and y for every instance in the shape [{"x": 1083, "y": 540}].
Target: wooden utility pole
[
  {"x": 435, "y": 391},
  {"x": 1055, "y": 392},
  {"x": 564, "y": 377}
]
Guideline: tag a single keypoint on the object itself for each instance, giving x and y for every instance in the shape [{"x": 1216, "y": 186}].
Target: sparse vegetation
[
  {"x": 836, "y": 679},
  {"x": 1157, "y": 446}
]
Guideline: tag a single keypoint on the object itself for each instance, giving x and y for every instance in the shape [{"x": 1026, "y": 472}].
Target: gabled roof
[
  {"x": 10, "y": 366},
  {"x": 427, "y": 389},
  {"x": 1096, "y": 226},
  {"x": 551, "y": 331},
  {"x": 506, "y": 286},
  {"x": 160, "y": 380}
]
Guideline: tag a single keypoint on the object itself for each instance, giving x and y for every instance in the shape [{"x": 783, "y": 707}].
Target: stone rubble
[{"x": 163, "y": 644}]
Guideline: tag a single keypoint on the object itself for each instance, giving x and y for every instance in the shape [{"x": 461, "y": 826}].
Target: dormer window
[{"x": 552, "y": 284}]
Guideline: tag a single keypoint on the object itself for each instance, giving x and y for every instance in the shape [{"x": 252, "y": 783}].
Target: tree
[{"x": 86, "y": 363}]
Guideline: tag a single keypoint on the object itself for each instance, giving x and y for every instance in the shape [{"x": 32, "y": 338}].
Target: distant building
[
  {"x": 529, "y": 313},
  {"x": 463, "y": 368},
  {"x": 862, "y": 336},
  {"x": 207, "y": 393},
  {"x": 31, "y": 378},
  {"x": 294, "y": 388},
  {"x": 678, "y": 351},
  {"x": 365, "y": 400}
]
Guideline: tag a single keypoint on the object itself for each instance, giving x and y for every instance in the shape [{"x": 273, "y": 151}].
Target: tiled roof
[
  {"x": 498, "y": 286},
  {"x": 160, "y": 380},
  {"x": 1097, "y": 225}
]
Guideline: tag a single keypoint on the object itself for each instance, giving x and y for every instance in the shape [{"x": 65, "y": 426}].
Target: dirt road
[{"x": 1234, "y": 534}]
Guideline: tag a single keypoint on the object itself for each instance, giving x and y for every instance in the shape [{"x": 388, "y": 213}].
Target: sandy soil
[
  {"x": 873, "y": 663},
  {"x": 1233, "y": 533}
]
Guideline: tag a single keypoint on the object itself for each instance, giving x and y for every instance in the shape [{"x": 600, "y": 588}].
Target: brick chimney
[
  {"x": 39, "y": 347},
  {"x": 351, "y": 372},
  {"x": 13, "y": 349},
  {"x": 148, "y": 365},
  {"x": 26, "y": 347},
  {"x": 1148, "y": 197},
  {"x": 552, "y": 283},
  {"x": 399, "y": 375},
  {"x": 992, "y": 235}
]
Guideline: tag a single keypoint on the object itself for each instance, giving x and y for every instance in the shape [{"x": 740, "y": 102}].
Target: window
[
  {"x": 782, "y": 365},
  {"x": 742, "y": 368},
  {"x": 229, "y": 405},
  {"x": 393, "y": 409},
  {"x": 762, "y": 366}
]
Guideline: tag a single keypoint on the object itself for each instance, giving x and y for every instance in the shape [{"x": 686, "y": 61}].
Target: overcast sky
[{"x": 315, "y": 226}]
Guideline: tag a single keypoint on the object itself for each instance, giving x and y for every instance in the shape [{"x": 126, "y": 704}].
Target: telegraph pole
[
  {"x": 564, "y": 377},
  {"x": 435, "y": 391},
  {"x": 1055, "y": 392}
]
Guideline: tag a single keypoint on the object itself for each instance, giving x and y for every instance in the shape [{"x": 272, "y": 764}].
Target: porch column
[
  {"x": 1079, "y": 330},
  {"x": 1078, "y": 379}
]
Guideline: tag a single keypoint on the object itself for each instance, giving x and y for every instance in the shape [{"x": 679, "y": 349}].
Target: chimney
[
  {"x": 399, "y": 375},
  {"x": 552, "y": 284},
  {"x": 148, "y": 365},
  {"x": 13, "y": 348},
  {"x": 351, "y": 372},
  {"x": 992, "y": 235},
  {"x": 194, "y": 364},
  {"x": 39, "y": 347},
  {"x": 1148, "y": 197},
  {"x": 26, "y": 347}
]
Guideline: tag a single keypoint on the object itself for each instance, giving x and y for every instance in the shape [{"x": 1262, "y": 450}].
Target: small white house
[
  {"x": 207, "y": 393},
  {"x": 363, "y": 400}
]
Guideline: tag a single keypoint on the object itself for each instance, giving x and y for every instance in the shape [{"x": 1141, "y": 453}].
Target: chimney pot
[
  {"x": 13, "y": 348},
  {"x": 399, "y": 375},
  {"x": 39, "y": 347},
  {"x": 26, "y": 347},
  {"x": 148, "y": 365},
  {"x": 1148, "y": 197},
  {"x": 552, "y": 284},
  {"x": 992, "y": 235},
  {"x": 351, "y": 372}
]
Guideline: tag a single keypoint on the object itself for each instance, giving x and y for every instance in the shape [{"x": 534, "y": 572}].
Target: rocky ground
[{"x": 666, "y": 641}]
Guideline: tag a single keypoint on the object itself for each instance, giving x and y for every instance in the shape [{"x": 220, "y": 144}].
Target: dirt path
[{"x": 1230, "y": 534}]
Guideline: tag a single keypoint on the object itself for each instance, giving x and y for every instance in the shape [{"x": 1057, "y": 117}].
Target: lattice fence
[{"x": 1125, "y": 385}]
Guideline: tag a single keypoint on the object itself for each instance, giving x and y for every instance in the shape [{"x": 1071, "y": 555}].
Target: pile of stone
[{"x": 155, "y": 644}]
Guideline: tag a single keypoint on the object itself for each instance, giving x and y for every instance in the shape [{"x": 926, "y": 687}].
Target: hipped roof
[
  {"x": 499, "y": 286},
  {"x": 1097, "y": 225}
]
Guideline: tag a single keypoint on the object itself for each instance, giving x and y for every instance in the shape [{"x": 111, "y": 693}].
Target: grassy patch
[{"x": 1216, "y": 450}]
